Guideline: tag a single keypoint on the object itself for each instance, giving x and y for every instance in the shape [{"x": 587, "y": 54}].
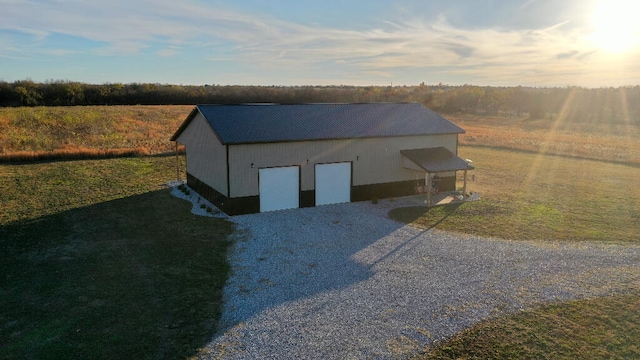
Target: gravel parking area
[{"x": 345, "y": 282}]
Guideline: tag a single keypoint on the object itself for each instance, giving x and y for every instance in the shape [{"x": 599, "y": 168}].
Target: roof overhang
[{"x": 437, "y": 159}]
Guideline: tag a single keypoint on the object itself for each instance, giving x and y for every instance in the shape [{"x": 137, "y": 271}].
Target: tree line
[{"x": 617, "y": 105}]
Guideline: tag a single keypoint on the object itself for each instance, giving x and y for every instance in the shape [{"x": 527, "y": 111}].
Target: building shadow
[
  {"x": 410, "y": 214},
  {"x": 141, "y": 275},
  {"x": 137, "y": 277}
]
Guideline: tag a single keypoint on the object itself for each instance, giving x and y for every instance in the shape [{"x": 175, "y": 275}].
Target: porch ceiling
[{"x": 437, "y": 159}]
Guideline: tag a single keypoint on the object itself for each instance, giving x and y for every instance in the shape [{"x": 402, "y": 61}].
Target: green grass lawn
[
  {"x": 540, "y": 197},
  {"x": 601, "y": 328},
  {"x": 100, "y": 262}
]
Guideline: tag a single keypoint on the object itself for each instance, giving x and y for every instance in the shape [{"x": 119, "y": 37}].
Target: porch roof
[{"x": 437, "y": 159}]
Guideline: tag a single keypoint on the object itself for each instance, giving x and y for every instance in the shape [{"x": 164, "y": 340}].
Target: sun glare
[{"x": 616, "y": 25}]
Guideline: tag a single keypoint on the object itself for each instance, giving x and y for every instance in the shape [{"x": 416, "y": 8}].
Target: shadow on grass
[
  {"x": 430, "y": 217},
  {"x": 138, "y": 277}
]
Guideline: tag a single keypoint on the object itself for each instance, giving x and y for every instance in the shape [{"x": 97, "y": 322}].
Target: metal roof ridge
[{"x": 319, "y": 103}]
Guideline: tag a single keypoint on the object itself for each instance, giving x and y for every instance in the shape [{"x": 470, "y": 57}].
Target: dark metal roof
[
  {"x": 437, "y": 159},
  {"x": 263, "y": 123}
]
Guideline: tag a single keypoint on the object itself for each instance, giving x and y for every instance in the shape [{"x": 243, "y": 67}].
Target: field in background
[
  {"x": 29, "y": 133},
  {"x": 33, "y": 133},
  {"x": 599, "y": 141}
]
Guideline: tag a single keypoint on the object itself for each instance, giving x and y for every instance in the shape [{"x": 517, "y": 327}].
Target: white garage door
[
  {"x": 279, "y": 188},
  {"x": 333, "y": 183}
]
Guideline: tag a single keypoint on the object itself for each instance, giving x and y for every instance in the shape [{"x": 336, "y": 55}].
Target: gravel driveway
[{"x": 345, "y": 282}]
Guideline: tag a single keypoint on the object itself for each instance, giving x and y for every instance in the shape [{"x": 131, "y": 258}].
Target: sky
[{"x": 589, "y": 43}]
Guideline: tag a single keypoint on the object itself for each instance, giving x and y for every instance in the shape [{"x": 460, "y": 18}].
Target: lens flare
[{"x": 616, "y": 27}]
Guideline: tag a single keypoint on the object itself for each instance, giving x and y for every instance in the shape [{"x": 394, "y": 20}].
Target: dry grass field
[
  {"x": 87, "y": 131},
  {"x": 102, "y": 131},
  {"x": 603, "y": 141}
]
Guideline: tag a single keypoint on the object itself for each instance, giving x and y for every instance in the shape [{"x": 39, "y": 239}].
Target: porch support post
[{"x": 464, "y": 187}]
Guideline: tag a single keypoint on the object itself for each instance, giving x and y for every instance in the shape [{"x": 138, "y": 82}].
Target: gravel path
[{"x": 345, "y": 282}]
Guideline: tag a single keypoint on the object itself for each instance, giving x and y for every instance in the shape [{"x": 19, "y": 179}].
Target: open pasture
[
  {"x": 90, "y": 130},
  {"x": 102, "y": 131},
  {"x": 613, "y": 142}
]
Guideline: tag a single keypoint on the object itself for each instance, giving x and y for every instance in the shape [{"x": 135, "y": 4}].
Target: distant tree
[
  {"x": 8, "y": 95},
  {"x": 28, "y": 92},
  {"x": 574, "y": 104}
]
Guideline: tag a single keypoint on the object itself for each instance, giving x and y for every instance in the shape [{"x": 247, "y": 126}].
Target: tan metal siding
[
  {"x": 375, "y": 160},
  {"x": 206, "y": 156}
]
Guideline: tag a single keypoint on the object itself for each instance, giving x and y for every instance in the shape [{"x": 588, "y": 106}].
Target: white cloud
[
  {"x": 555, "y": 54},
  {"x": 59, "y": 52},
  {"x": 168, "y": 51}
]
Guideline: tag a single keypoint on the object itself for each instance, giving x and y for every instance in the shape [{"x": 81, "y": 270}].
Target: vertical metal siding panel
[
  {"x": 375, "y": 160},
  {"x": 244, "y": 177},
  {"x": 304, "y": 154},
  {"x": 380, "y": 160},
  {"x": 206, "y": 156}
]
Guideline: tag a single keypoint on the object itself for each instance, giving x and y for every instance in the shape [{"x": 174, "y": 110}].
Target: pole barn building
[{"x": 259, "y": 157}]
